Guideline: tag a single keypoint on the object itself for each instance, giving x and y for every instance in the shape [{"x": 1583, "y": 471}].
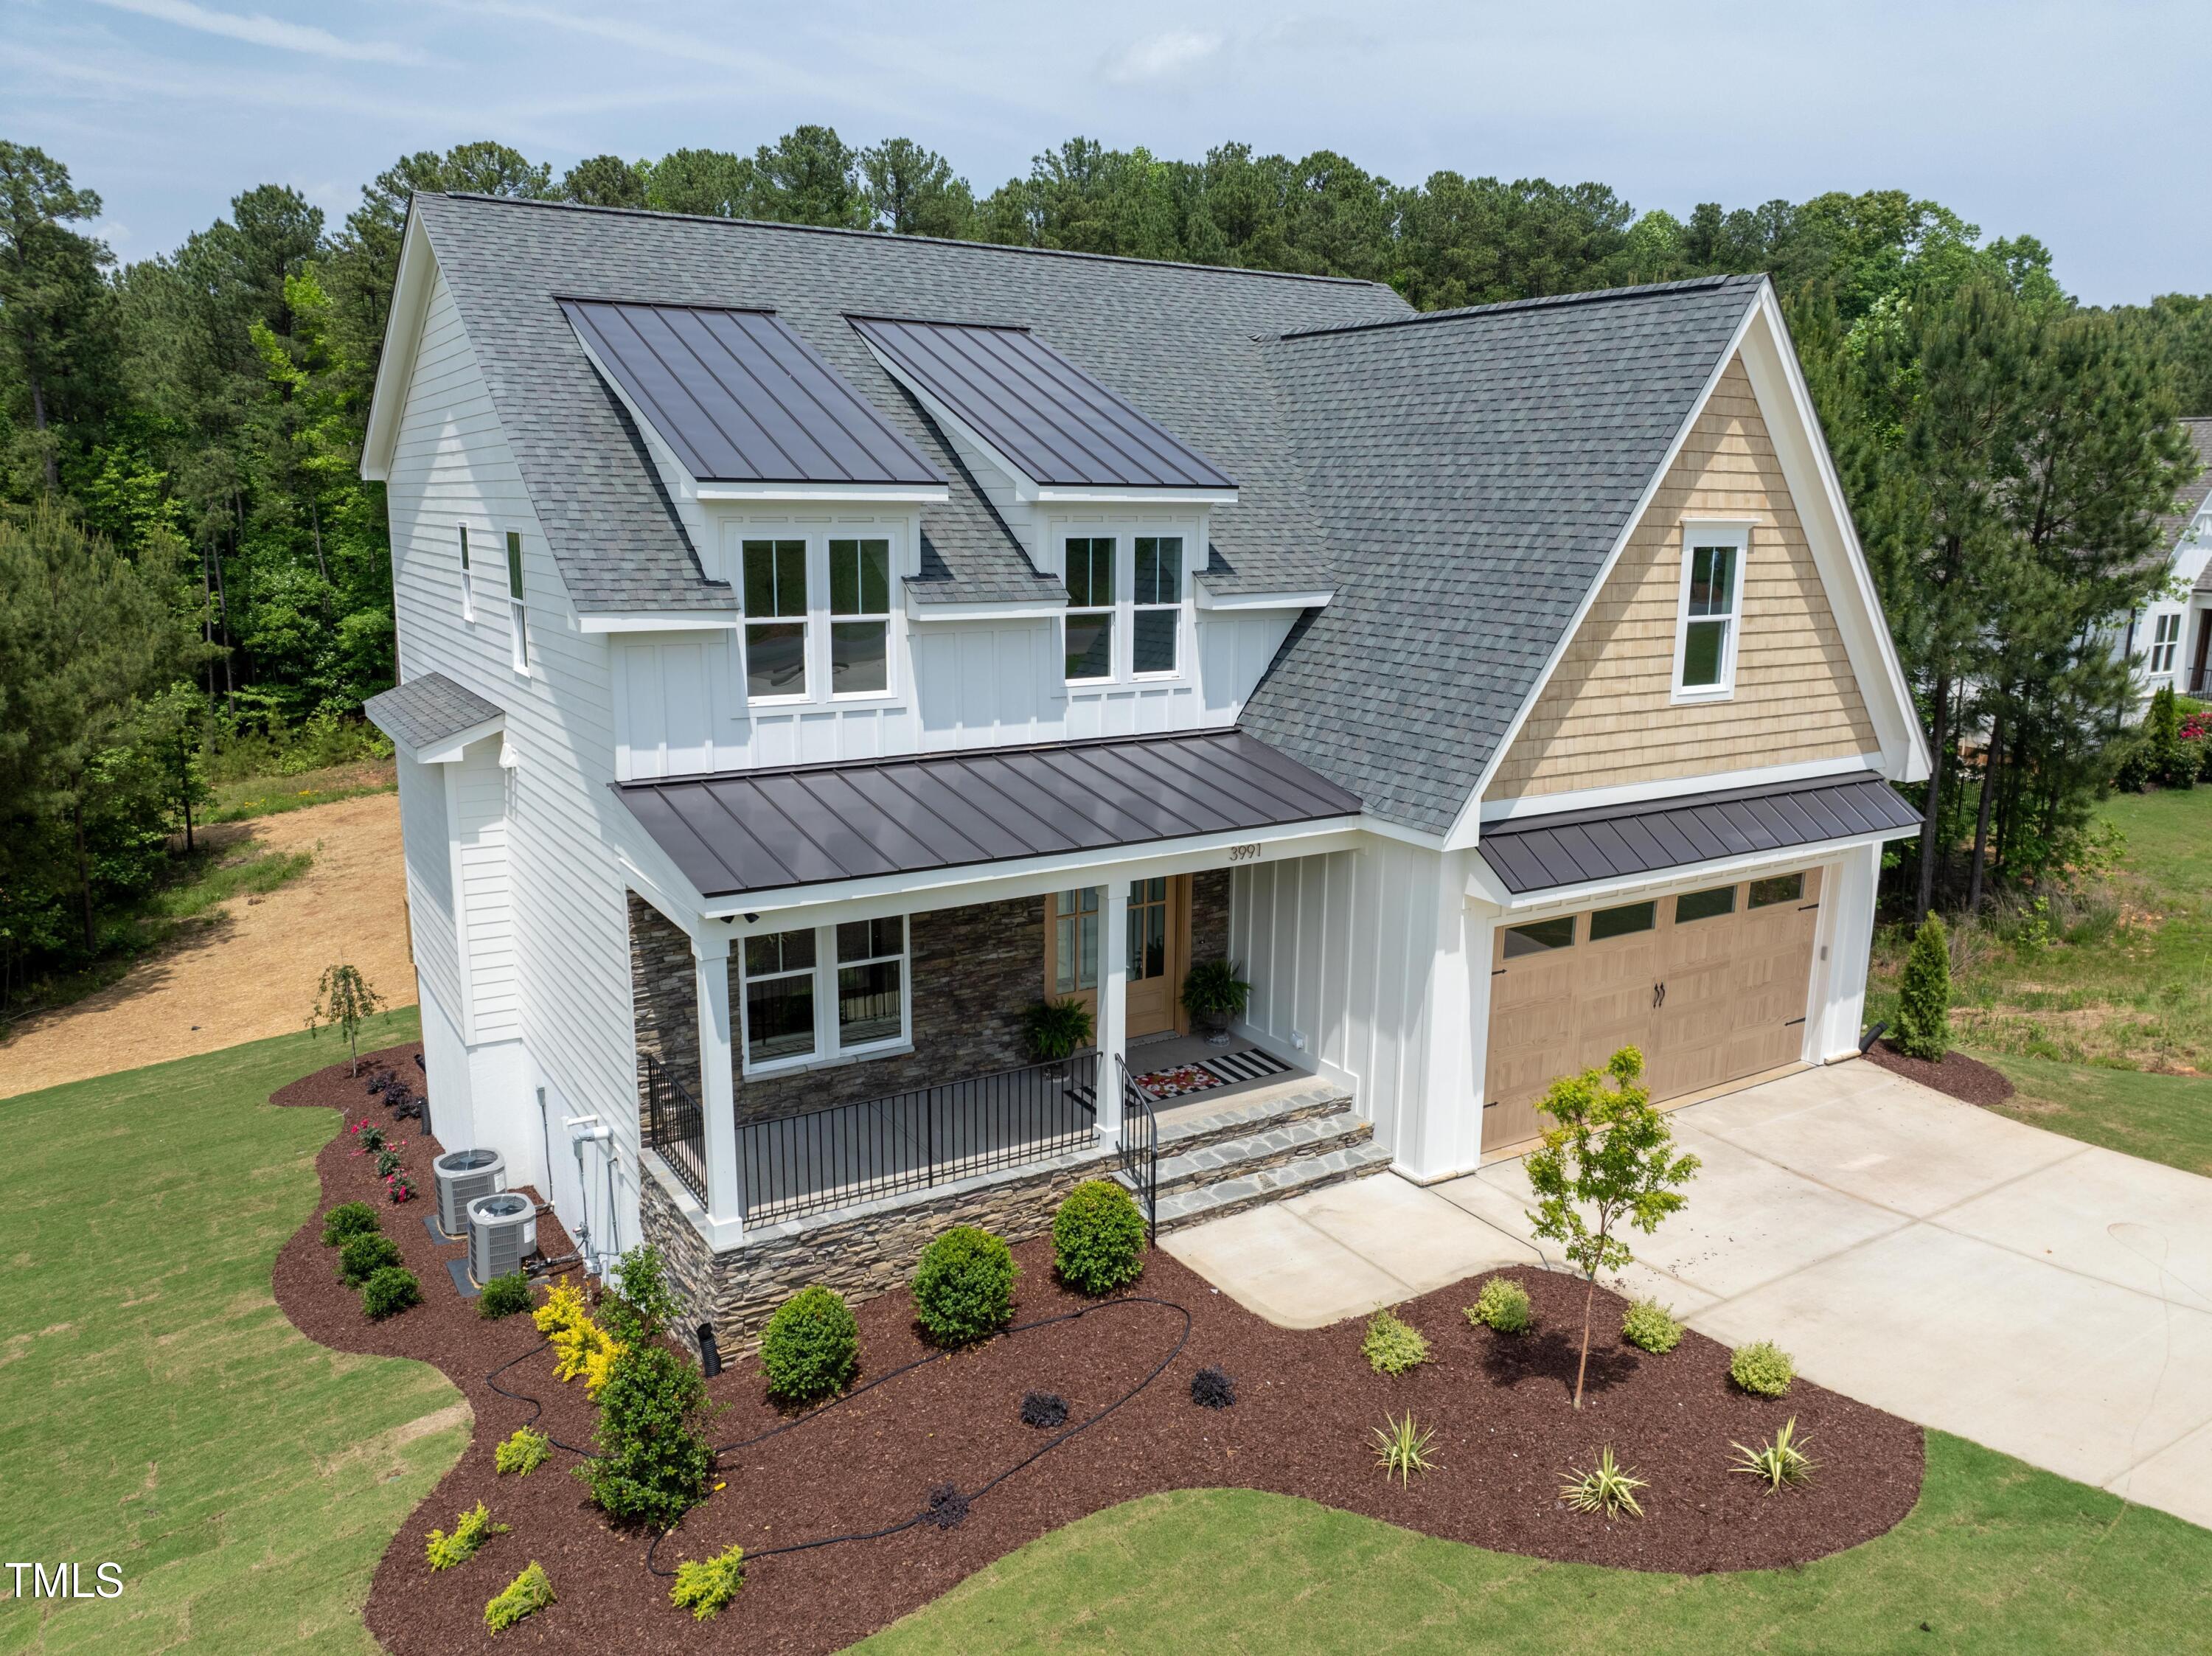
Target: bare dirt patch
[
  {"x": 1306, "y": 1403},
  {"x": 251, "y": 971}
]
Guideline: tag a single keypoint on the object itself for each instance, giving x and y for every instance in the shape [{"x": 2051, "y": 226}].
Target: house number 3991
[{"x": 1244, "y": 853}]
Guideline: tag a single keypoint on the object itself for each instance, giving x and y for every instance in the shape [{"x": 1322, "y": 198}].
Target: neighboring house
[
  {"x": 2173, "y": 636},
  {"x": 818, "y": 648}
]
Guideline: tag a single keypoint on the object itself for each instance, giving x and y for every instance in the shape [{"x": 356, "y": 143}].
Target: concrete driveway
[{"x": 2044, "y": 1297}]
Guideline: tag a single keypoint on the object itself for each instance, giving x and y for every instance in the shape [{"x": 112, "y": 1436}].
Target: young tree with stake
[
  {"x": 344, "y": 1002},
  {"x": 1612, "y": 1156}
]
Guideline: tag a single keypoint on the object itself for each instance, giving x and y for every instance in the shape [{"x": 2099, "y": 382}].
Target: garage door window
[
  {"x": 1782, "y": 888},
  {"x": 1704, "y": 905},
  {"x": 1541, "y": 938},
  {"x": 1628, "y": 918}
]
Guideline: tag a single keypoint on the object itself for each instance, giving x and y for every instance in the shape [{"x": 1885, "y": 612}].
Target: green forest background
[{"x": 195, "y": 582}]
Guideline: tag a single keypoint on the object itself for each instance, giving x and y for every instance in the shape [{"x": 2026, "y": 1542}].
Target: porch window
[
  {"x": 1075, "y": 941},
  {"x": 515, "y": 616},
  {"x": 1705, "y": 645},
  {"x": 776, "y": 619},
  {"x": 1090, "y": 653},
  {"x": 824, "y": 991},
  {"x": 779, "y": 995},
  {"x": 1159, "y": 604},
  {"x": 860, "y": 617},
  {"x": 871, "y": 966}
]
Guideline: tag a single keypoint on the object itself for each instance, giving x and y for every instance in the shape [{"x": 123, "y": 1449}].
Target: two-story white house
[
  {"x": 819, "y": 649},
  {"x": 2172, "y": 637}
]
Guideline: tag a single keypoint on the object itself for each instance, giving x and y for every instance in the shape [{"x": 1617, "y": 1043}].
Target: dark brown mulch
[
  {"x": 1967, "y": 1079},
  {"x": 1306, "y": 1403}
]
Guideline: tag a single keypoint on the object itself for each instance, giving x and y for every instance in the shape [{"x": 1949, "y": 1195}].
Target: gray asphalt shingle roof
[
  {"x": 2193, "y": 493},
  {"x": 426, "y": 711}
]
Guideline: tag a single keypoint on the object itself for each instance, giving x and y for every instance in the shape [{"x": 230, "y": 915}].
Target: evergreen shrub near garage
[
  {"x": 1923, "y": 995},
  {"x": 504, "y": 1296},
  {"x": 963, "y": 1288},
  {"x": 1098, "y": 1238},
  {"x": 811, "y": 1346},
  {"x": 349, "y": 1219},
  {"x": 388, "y": 1292},
  {"x": 362, "y": 1256}
]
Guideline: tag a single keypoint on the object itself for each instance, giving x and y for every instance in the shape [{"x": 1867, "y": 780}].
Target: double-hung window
[
  {"x": 775, "y": 618},
  {"x": 1091, "y": 598},
  {"x": 824, "y": 993},
  {"x": 468, "y": 597},
  {"x": 515, "y": 617},
  {"x": 1705, "y": 635},
  {"x": 2165, "y": 643},
  {"x": 859, "y": 617},
  {"x": 1159, "y": 614}
]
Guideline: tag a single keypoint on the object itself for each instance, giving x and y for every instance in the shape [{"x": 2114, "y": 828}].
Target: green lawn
[
  {"x": 1997, "y": 1557},
  {"x": 156, "y": 1408}
]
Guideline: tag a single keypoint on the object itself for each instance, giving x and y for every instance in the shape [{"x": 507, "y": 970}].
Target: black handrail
[
  {"x": 1141, "y": 1149},
  {"x": 676, "y": 1127},
  {"x": 847, "y": 1153}
]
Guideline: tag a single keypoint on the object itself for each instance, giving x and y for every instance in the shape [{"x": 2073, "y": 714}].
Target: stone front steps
[{"x": 1291, "y": 1140}]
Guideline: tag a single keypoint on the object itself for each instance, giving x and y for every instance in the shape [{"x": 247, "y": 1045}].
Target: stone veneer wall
[
  {"x": 664, "y": 996},
  {"x": 860, "y": 1251},
  {"x": 1209, "y": 916}
]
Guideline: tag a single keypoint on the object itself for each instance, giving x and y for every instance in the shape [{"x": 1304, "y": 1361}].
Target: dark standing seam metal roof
[
  {"x": 741, "y": 398},
  {"x": 767, "y": 830},
  {"x": 1535, "y": 853},
  {"x": 1055, "y": 421},
  {"x": 426, "y": 711}
]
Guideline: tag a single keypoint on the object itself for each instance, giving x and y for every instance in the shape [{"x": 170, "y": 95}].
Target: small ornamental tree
[
  {"x": 1608, "y": 1162},
  {"x": 344, "y": 1002},
  {"x": 1923, "y": 995}
]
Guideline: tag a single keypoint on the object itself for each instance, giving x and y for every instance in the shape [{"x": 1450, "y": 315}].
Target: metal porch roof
[
  {"x": 810, "y": 825},
  {"x": 1565, "y": 848}
]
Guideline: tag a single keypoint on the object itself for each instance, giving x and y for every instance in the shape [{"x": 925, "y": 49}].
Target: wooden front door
[{"x": 1159, "y": 949}]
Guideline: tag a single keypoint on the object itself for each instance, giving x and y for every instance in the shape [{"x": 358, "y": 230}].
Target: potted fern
[
  {"x": 1212, "y": 993},
  {"x": 1057, "y": 1030}
]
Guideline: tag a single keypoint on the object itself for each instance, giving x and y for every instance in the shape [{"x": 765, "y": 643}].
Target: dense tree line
[{"x": 179, "y": 439}]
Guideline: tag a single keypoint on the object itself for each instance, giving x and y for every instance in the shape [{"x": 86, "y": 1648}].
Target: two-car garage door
[{"x": 1710, "y": 985}]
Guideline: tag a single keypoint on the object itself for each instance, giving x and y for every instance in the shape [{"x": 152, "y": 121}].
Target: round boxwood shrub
[
  {"x": 1651, "y": 1325},
  {"x": 503, "y": 1296},
  {"x": 811, "y": 1346},
  {"x": 1501, "y": 1306},
  {"x": 1098, "y": 1238},
  {"x": 349, "y": 1219},
  {"x": 389, "y": 1291},
  {"x": 1762, "y": 1369},
  {"x": 363, "y": 1256},
  {"x": 963, "y": 1288}
]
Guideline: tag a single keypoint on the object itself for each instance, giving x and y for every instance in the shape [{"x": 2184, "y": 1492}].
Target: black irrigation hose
[{"x": 537, "y": 1406}]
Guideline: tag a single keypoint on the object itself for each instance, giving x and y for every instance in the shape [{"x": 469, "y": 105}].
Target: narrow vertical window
[
  {"x": 1090, "y": 609},
  {"x": 870, "y": 961},
  {"x": 1075, "y": 941},
  {"x": 468, "y": 594},
  {"x": 2165, "y": 644},
  {"x": 859, "y": 617},
  {"x": 775, "y": 618},
  {"x": 1712, "y": 578},
  {"x": 779, "y": 995},
  {"x": 514, "y": 602},
  {"x": 1159, "y": 619}
]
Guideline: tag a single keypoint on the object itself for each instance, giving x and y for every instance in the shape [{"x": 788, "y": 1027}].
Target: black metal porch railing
[
  {"x": 911, "y": 1141},
  {"x": 1141, "y": 1149},
  {"x": 675, "y": 1127}
]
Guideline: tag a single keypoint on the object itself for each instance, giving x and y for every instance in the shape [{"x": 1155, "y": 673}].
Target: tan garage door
[{"x": 1710, "y": 985}]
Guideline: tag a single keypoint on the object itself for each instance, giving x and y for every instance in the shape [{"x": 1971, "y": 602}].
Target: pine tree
[{"x": 1924, "y": 1001}]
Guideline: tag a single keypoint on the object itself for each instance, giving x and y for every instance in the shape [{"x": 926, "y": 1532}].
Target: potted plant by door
[
  {"x": 1212, "y": 993},
  {"x": 1057, "y": 1030}
]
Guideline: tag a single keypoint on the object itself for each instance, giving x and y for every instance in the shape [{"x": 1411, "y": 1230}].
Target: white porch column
[
  {"x": 1113, "y": 1004},
  {"x": 1842, "y": 954},
  {"x": 725, "y": 1206},
  {"x": 1440, "y": 1133}
]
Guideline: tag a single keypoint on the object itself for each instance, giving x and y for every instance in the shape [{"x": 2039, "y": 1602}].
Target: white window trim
[
  {"x": 1180, "y": 607},
  {"x": 1695, "y": 534},
  {"x": 468, "y": 580},
  {"x": 517, "y": 617},
  {"x": 817, "y": 621},
  {"x": 831, "y": 619},
  {"x": 829, "y": 1049},
  {"x": 1124, "y": 607},
  {"x": 2165, "y": 645}
]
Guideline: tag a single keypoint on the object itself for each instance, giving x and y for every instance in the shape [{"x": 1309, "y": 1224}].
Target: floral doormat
[{"x": 1175, "y": 1082}]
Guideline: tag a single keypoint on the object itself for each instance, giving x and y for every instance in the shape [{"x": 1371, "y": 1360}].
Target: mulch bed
[
  {"x": 1306, "y": 1402},
  {"x": 1967, "y": 1079}
]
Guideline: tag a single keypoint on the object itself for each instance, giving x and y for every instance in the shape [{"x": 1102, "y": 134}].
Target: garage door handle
[{"x": 1658, "y": 994}]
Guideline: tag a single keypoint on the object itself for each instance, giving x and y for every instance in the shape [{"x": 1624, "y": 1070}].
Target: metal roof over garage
[
  {"x": 1565, "y": 848},
  {"x": 810, "y": 825},
  {"x": 1055, "y": 422},
  {"x": 742, "y": 398}
]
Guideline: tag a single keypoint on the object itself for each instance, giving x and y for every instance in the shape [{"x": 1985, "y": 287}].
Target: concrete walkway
[{"x": 2047, "y": 1298}]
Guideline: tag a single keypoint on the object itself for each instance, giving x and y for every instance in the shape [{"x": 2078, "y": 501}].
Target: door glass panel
[
  {"x": 1540, "y": 936},
  {"x": 1148, "y": 928},
  {"x": 1075, "y": 941},
  {"x": 1704, "y": 905},
  {"x": 1781, "y": 888},
  {"x": 1621, "y": 922}
]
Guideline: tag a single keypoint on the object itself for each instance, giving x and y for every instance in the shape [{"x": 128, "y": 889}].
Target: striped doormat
[{"x": 1250, "y": 1064}]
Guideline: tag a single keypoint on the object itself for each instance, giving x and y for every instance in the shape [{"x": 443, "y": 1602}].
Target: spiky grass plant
[
  {"x": 1402, "y": 1446},
  {"x": 1607, "y": 1488},
  {"x": 1782, "y": 1463}
]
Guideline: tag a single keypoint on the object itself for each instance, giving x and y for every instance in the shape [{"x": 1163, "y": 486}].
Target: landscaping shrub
[
  {"x": 1762, "y": 1369},
  {"x": 527, "y": 1594},
  {"x": 1608, "y": 1488},
  {"x": 401, "y": 1189},
  {"x": 1211, "y": 1388},
  {"x": 361, "y": 1257},
  {"x": 1651, "y": 1325},
  {"x": 1923, "y": 995},
  {"x": 1779, "y": 1464},
  {"x": 387, "y": 1162},
  {"x": 389, "y": 1292},
  {"x": 1501, "y": 1306},
  {"x": 580, "y": 1346},
  {"x": 1403, "y": 1448},
  {"x": 367, "y": 1137},
  {"x": 2173, "y": 761},
  {"x": 811, "y": 1346},
  {"x": 504, "y": 1296},
  {"x": 522, "y": 1452},
  {"x": 703, "y": 1585},
  {"x": 640, "y": 1305},
  {"x": 1043, "y": 1409},
  {"x": 349, "y": 1219},
  {"x": 653, "y": 1460},
  {"x": 963, "y": 1288},
  {"x": 471, "y": 1531},
  {"x": 1392, "y": 1346},
  {"x": 1098, "y": 1238}
]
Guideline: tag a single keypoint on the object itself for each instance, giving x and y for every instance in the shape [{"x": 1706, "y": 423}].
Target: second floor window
[
  {"x": 859, "y": 617},
  {"x": 468, "y": 598},
  {"x": 2165, "y": 643},
  {"x": 521, "y": 639},
  {"x": 1704, "y": 651},
  {"x": 1158, "y": 614},
  {"x": 1089, "y": 607},
  {"x": 775, "y": 618}
]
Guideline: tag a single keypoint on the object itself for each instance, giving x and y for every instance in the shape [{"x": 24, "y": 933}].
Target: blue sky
[{"x": 2078, "y": 124}]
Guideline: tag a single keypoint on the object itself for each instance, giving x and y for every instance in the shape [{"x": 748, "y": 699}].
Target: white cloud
[
  {"x": 264, "y": 31},
  {"x": 1160, "y": 56}
]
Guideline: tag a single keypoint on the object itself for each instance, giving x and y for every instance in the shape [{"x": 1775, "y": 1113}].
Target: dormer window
[
  {"x": 1158, "y": 603},
  {"x": 1711, "y": 606},
  {"x": 1111, "y": 599},
  {"x": 859, "y": 617},
  {"x": 775, "y": 618},
  {"x": 820, "y": 621},
  {"x": 1091, "y": 605}
]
